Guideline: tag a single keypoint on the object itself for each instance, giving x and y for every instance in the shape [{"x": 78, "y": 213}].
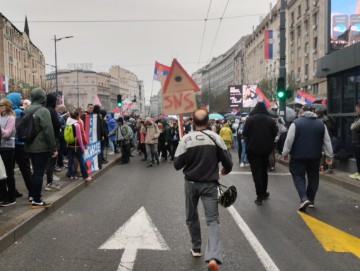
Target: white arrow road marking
[
  {"x": 264, "y": 257},
  {"x": 138, "y": 232},
  {"x": 269, "y": 173}
]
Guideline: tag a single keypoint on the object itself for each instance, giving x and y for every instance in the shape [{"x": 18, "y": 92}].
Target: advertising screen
[
  {"x": 235, "y": 96},
  {"x": 345, "y": 23}
]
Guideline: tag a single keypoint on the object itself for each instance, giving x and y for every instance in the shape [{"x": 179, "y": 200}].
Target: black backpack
[{"x": 25, "y": 126}]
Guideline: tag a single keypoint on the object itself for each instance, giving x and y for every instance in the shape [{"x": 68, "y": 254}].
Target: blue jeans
[
  {"x": 39, "y": 162},
  {"x": 243, "y": 153},
  {"x": 298, "y": 170},
  {"x": 79, "y": 155},
  {"x": 152, "y": 152}
]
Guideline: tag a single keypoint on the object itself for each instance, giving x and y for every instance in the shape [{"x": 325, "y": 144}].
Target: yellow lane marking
[{"x": 331, "y": 238}]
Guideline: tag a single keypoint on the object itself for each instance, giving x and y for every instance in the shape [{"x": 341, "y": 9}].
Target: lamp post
[{"x": 56, "y": 70}]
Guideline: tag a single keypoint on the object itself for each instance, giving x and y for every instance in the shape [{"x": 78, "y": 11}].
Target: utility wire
[
  {"x": 141, "y": 20},
  {"x": 203, "y": 36},
  {"x": 217, "y": 31}
]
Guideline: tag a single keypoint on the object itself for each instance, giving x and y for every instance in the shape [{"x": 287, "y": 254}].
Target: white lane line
[
  {"x": 269, "y": 173},
  {"x": 264, "y": 257}
]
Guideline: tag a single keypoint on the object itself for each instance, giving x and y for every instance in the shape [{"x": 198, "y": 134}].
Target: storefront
[{"x": 342, "y": 70}]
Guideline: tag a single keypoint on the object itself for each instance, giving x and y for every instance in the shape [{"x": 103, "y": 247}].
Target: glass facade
[{"x": 343, "y": 94}]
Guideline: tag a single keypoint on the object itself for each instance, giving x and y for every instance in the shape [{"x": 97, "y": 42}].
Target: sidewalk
[{"x": 17, "y": 220}]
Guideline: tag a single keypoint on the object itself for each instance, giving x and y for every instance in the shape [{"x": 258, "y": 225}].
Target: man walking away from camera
[
  {"x": 306, "y": 138},
  {"x": 199, "y": 156},
  {"x": 259, "y": 131}
]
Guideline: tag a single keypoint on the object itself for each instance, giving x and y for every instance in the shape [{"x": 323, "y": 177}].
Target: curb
[
  {"x": 350, "y": 185},
  {"x": 22, "y": 224}
]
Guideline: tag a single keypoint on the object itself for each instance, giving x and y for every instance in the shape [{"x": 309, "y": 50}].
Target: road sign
[{"x": 138, "y": 232}]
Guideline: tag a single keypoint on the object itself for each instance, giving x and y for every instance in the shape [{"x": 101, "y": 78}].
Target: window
[
  {"x": 299, "y": 10},
  {"x": 306, "y": 72},
  {"x": 315, "y": 43},
  {"x": 315, "y": 19},
  {"x": 298, "y": 29}
]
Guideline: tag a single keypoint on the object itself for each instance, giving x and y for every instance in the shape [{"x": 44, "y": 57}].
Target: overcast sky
[{"x": 133, "y": 39}]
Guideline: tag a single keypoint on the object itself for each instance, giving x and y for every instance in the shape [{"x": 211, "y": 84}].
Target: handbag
[{"x": 2, "y": 170}]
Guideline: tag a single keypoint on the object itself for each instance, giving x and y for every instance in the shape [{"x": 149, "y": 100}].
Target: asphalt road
[{"x": 268, "y": 237}]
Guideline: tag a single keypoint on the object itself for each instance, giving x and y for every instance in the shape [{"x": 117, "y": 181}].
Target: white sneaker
[
  {"x": 242, "y": 164},
  {"x": 354, "y": 176},
  {"x": 56, "y": 178},
  {"x": 47, "y": 187}
]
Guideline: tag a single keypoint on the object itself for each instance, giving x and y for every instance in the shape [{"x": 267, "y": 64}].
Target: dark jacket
[
  {"x": 51, "y": 105},
  {"x": 45, "y": 140},
  {"x": 259, "y": 131}
]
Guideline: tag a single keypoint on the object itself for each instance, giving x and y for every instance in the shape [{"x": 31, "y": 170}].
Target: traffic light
[
  {"x": 281, "y": 92},
  {"x": 119, "y": 101}
]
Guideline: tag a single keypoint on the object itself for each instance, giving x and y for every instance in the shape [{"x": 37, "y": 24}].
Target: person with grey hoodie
[{"x": 306, "y": 138}]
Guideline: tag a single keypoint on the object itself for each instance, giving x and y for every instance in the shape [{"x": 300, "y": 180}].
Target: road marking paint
[
  {"x": 331, "y": 238},
  {"x": 264, "y": 257},
  {"x": 269, "y": 173},
  {"x": 138, "y": 232}
]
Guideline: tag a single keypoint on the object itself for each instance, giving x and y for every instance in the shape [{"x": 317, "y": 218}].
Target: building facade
[
  {"x": 306, "y": 32},
  {"x": 21, "y": 62}
]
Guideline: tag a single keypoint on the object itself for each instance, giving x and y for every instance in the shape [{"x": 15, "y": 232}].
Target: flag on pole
[
  {"x": 160, "y": 71},
  {"x": 268, "y": 44},
  {"x": 262, "y": 98},
  {"x": 304, "y": 98},
  {"x": 4, "y": 84}
]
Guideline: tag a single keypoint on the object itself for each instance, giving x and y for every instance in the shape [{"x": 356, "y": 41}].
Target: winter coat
[
  {"x": 260, "y": 131},
  {"x": 152, "y": 133},
  {"x": 111, "y": 124},
  {"x": 51, "y": 105},
  {"x": 79, "y": 137},
  {"x": 7, "y": 124},
  {"x": 45, "y": 139},
  {"x": 15, "y": 98}
]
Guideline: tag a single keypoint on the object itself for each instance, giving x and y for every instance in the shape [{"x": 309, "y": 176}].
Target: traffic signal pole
[{"x": 282, "y": 66}]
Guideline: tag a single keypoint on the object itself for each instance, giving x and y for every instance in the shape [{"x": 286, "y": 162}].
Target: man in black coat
[{"x": 259, "y": 131}]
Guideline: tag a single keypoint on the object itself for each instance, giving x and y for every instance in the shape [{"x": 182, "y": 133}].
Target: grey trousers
[{"x": 209, "y": 196}]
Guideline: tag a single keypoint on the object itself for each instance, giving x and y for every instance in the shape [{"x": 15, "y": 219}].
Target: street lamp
[{"x": 56, "y": 71}]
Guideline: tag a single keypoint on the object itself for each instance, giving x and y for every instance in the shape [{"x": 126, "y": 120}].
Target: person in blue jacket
[{"x": 111, "y": 123}]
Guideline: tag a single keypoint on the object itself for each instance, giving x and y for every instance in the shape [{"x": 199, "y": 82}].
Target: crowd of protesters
[{"x": 155, "y": 140}]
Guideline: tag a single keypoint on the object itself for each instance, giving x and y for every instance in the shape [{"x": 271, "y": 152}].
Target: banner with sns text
[{"x": 93, "y": 151}]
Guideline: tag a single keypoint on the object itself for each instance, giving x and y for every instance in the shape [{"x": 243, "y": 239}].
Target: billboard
[
  {"x": 246, "y": 96},
  {"x": 345, "y": 23}
]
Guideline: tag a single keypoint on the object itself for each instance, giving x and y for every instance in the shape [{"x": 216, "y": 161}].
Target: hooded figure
[
  {"x": 111, "y": 124},
  {"x": 51, "y": 106},
  {"x": 15, "y": 99},
  {"x": 259, "y": 131},
  {"x": 45, "y": 140}
]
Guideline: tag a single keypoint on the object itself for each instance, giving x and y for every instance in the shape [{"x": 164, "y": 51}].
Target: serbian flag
[
  {"x": 262, "y": 98},
  {"x": 268, "y": 44},
  {"x": 4, "y": 84},
  {"x": 160, "y": 71},
  {"x": 304, "y": 98}
]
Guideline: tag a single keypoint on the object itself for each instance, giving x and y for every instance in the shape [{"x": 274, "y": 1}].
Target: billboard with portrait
[
  {"x": 249, "y": 98},
  {"x": 344, "y": 23}
]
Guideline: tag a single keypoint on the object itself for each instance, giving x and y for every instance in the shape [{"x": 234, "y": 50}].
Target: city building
[
  {"x": 305, "y": 44},
  {"x": 131, "y": 87},
  {"x": 155, "y": 105},
  {"x": 22, "y": 64}
]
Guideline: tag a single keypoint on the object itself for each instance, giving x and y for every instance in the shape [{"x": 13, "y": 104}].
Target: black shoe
[
  {"x": 18, "y": 194},
  {"x": 144, "y": 159},
  {"x": 7, "y": 203},
  {"x": 258, "y": 200},
  {"x": 105, "y": 161},
  {"x": 303, "y": 205},
  {"x": 149, "y": 165},
  {"x": 41, "y": 204},
  {"x": 265, "y": 196},
  {"x": 157, "y": 162}
]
